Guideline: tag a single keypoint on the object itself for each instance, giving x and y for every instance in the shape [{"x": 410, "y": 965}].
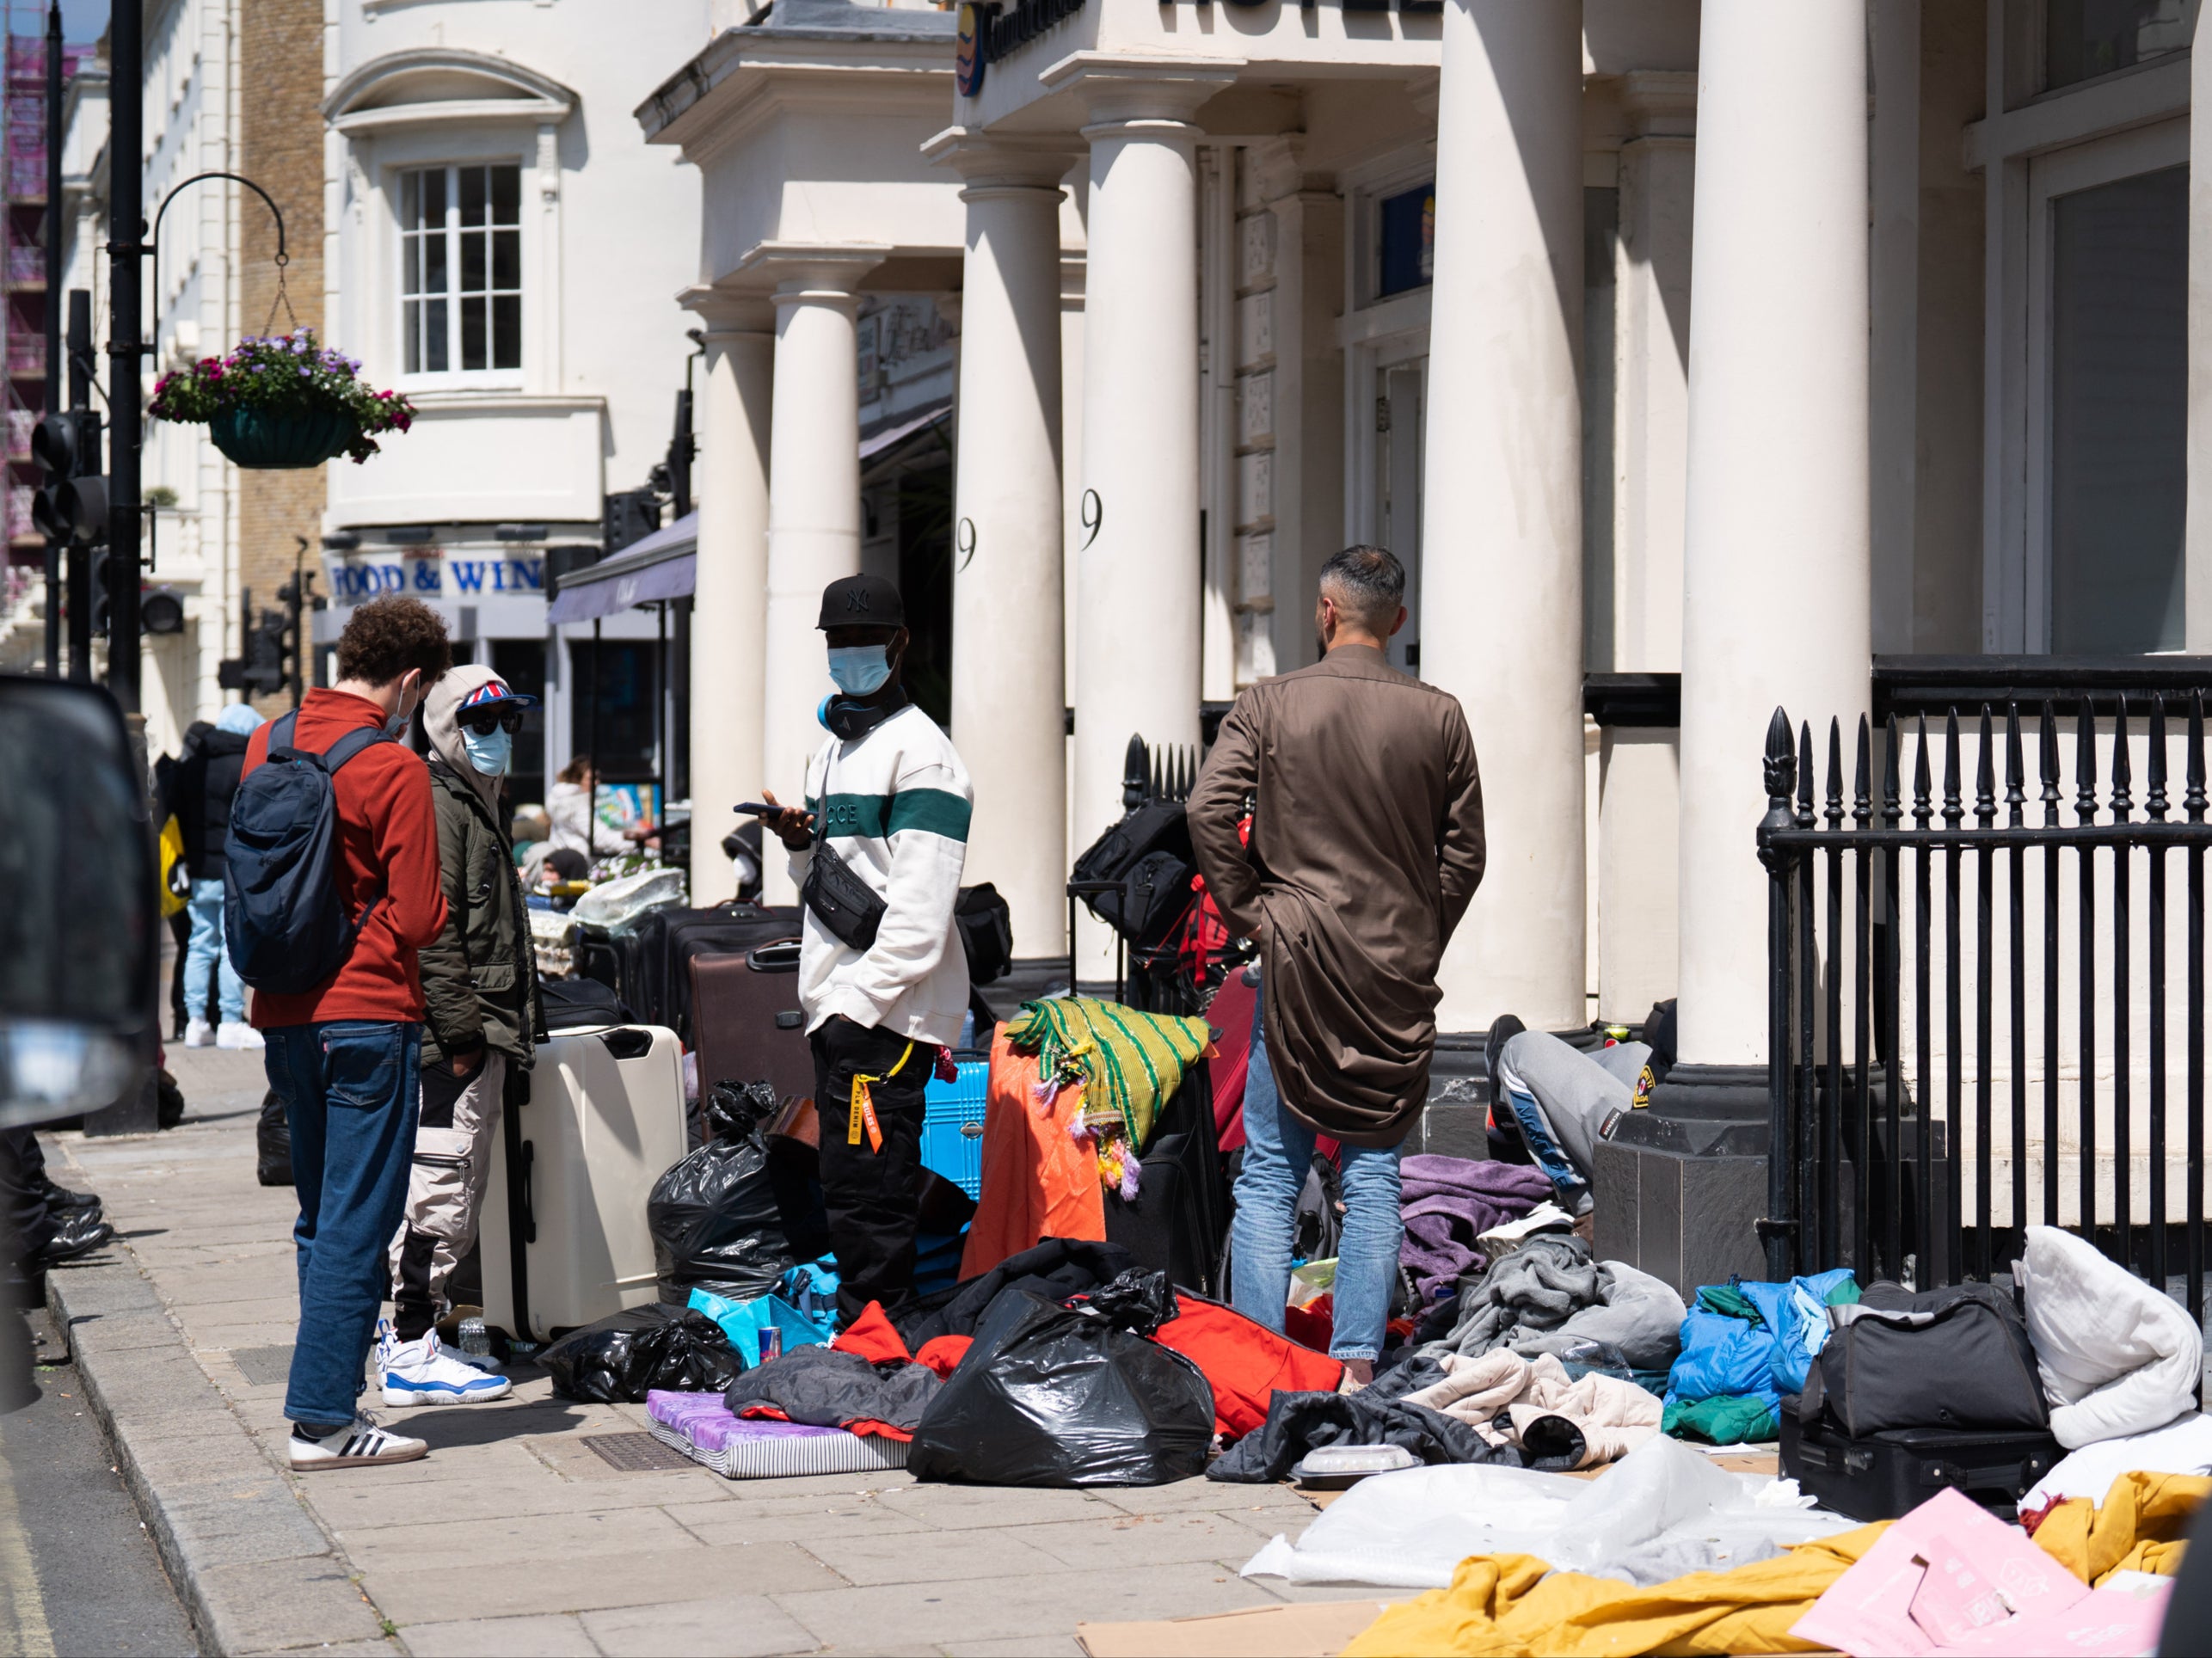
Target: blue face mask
[
  {"x": 859, "y": 670},
  {"x": 489, "y": 755}
]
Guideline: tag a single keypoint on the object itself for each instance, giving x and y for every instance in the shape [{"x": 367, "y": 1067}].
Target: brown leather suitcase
[{"x": 746, "y": 1023}]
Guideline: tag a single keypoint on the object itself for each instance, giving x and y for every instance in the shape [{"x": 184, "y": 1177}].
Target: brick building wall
[{"x": 280, "y": 149}]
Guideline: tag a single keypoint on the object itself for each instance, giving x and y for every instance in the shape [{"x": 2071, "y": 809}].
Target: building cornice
[{"x": 513, "y": 91}]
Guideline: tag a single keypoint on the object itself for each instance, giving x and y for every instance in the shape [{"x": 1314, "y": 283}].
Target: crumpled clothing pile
[
  {"x": 1510, "y": 1400},
  {"x": 1447, "y": 1204},
  {"x": 1548, "y": 1296}
]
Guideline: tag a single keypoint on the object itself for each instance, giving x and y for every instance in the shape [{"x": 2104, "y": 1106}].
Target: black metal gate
[{"x": 1907, "y": 926}]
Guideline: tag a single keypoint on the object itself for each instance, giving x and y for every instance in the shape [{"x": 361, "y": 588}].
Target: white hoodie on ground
[{"x": 898, "y": 801}]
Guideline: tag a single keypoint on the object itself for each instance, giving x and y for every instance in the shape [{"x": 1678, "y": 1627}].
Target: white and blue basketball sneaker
[{"x": 422, "y": 1372}]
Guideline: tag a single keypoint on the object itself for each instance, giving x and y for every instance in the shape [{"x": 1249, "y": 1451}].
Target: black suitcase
[
  {"x": 1180, "y": 1215},
  {"x": 745, "y": 1008},
  {"x": 725, "y": 930},
  {"x": 1886, "y": 1476}
]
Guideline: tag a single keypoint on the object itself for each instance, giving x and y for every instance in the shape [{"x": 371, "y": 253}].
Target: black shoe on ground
[
  {"x": 1506, "y": 1145},
  {"x": 1503, "y": 1029},
  {"x": 79, "y": 1234},
  {"x": 62, "y": 1199}
]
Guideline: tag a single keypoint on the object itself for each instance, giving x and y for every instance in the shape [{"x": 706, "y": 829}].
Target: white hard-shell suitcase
[{"x": 605, "y": 1121}]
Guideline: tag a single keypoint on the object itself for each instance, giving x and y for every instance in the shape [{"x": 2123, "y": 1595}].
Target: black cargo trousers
[{"x": 870, "y": 1192}]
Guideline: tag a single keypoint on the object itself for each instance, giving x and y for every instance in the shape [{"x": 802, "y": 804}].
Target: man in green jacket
[{"x": 480, "y": 982}]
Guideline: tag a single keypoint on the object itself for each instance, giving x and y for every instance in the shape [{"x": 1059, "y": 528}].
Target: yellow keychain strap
[{"x": 863, "y": 1105}]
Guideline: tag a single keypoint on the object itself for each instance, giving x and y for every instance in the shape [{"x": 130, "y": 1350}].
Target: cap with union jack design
[{"x": 493, "y": 693}]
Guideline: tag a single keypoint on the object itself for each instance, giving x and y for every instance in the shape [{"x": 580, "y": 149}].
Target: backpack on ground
[{"x": 284, "y": 923}]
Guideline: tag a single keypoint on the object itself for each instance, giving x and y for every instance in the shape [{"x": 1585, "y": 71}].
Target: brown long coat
[{"x": 1367, "y": 844}]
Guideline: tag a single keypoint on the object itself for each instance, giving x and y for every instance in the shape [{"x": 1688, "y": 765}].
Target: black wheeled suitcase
[
  {"x": 725, "y": 930},
  {"x": 1180, "y": 1215},
  {"x": 1887, "y": 1475}
]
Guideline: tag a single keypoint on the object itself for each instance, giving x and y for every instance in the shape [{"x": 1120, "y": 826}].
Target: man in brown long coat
[{"x": 1366, "y": 844}]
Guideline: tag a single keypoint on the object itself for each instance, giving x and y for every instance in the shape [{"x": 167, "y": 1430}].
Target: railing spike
[
  {"x": 2047, "y": 762},
  {"x": 1985, "y": 776},
  {"x": 1923, "y": 783},
  {"x": 1892, "y": 813},
  {"x": 2015, "y": 772},
  {"x": 1862, "y": 785},
  {"x": 2194, "y": 799},
  {"x": 2085, "y": 761},
  {"x": 1952, "y": 813},
  {"x": 2155, "y": 801},
  {"x": 1834, "y": 813},
  {"x": 1805, "y": 775},
  {"x": 2124, "y": 805}
]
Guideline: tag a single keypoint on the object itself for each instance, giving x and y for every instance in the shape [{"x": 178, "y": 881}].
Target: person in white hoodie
[{"x": 878, "y": 852}]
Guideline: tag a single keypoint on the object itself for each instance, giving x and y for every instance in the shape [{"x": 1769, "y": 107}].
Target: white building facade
[
  {"x": 1683, "y": 387},
  {"x": 495, "y": 224}
]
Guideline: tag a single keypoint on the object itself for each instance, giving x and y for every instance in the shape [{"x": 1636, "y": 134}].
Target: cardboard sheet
[{"x": 1317, "y": 1629}]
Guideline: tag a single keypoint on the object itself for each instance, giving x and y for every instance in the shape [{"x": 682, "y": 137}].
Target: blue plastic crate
[{"x": 952, "y": 1126}]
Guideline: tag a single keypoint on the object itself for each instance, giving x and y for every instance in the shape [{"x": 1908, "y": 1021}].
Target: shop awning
[{"x": 663, "y": 565}]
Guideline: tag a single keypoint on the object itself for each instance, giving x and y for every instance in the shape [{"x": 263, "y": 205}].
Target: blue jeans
[
  {"x": 350, "y": 1090},
  {"x": 1278, "y": 1153},
  {"x": 206, "y": 955}
]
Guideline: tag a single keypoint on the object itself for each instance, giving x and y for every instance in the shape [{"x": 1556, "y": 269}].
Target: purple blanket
[{"x": 1448, "y": 1202}]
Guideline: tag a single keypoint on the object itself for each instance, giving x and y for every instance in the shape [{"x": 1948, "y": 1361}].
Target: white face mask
[{"x": 490, "y": 755}]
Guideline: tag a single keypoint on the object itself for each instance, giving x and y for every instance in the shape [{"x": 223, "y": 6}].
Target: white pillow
[{"x": 2117, "y": 1356}]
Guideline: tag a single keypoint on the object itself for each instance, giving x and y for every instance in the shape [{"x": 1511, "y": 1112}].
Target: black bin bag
[
  {"x": 715, "y": 1219},
  {"x": 618, "y": 1359},
  {"x": 1064, "y": 1397}
]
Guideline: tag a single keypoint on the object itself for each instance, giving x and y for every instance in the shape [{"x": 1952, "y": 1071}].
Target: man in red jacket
[{"x": 344, "y": 1056}]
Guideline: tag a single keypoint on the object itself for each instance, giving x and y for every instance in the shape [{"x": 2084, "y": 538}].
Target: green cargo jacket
[{"x": 479, "y": 976}]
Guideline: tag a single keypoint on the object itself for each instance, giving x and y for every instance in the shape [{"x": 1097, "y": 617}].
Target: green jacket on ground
[{"x": 479, "y": 976}]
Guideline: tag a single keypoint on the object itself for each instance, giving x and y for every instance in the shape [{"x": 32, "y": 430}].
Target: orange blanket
[{"x": 1039, "y": 1181}]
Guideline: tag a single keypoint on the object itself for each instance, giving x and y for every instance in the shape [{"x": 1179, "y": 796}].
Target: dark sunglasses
[{"x": 493, "y": 719}]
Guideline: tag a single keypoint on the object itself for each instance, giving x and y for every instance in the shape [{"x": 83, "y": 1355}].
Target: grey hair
[{"x": 1368, "y": 581}]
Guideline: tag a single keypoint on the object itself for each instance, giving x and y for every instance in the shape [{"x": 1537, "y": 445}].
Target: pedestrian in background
[
  {"x": 344, "y": 1055},
  {"x": 1366, "y": 844},
  {"x": 480, "y": 986},
  {"x": 200, "y": 791},
  {"x": 878, "y": 853}
]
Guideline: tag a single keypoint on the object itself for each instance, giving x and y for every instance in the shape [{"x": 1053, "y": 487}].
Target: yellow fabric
[
  {"x": 1501, "y": 1605},
  {"x": 2142, "y": 1526},
  {"x": 1129, "y": 1062},
  {"x": 172, "y": 850},
  {"x": 1504, "y": 1603}
]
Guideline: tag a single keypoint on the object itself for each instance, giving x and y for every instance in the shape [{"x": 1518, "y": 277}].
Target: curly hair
[{"x": 387, "y": 637}]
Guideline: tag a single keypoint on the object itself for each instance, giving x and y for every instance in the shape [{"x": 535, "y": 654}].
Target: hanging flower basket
[
  {"x": 282, "y": 401},
  {"x": 272, "y": 440}
]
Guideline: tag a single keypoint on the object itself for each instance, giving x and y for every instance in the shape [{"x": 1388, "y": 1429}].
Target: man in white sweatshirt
[{"x": 877, "y": 852}]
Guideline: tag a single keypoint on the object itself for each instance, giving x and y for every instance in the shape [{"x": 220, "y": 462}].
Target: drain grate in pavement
[
  {"x": 263, "y": 1366},
  {"x": 635, "y": 1453}
]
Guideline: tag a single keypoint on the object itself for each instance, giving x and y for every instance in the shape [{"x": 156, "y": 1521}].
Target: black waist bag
[
  {"x": 1957, "y": 1357},
  {"x": 840, "y": 899}
]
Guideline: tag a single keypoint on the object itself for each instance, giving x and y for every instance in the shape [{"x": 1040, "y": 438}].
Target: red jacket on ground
[{"x": 388, "y": 849}]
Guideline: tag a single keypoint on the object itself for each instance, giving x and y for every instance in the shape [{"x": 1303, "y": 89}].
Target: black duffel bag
[{"x": 1954, "y": 1357}]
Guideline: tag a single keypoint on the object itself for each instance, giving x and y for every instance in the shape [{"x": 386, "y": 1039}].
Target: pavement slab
[{"x": 514, "y": 1535}]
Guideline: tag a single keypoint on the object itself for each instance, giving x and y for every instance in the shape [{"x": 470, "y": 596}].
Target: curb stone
[{"x": 254, "y": 1571}]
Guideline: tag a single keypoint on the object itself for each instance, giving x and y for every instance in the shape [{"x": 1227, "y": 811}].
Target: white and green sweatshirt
[{"x": 898, "y": 800}]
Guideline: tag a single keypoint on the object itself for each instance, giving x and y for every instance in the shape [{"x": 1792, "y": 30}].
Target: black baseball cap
[{"x": 861, "y": 601}]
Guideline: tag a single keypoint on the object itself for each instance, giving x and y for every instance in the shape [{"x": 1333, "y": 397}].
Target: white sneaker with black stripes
[{"x": 360, "y": 1443}]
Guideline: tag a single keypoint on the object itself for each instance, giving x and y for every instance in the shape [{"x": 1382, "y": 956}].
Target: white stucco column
[
  {"x": 814, "y": 507},
  {"x": 2196, "y": 536},
  {"x": 1775, "y": 558},
  {"x": 1007, "y": 668},
  {"x": 1136, "y": 555},
  {"x": 1502, "y": 584},
  {"x": 729, "y": 612}
]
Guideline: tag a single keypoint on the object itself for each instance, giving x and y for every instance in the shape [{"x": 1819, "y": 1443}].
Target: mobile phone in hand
[{"x": 760, "y": 809}]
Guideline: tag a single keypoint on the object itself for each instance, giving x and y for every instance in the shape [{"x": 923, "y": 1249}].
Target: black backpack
[
  {"x": 1148, "y": 855},
  {"x": 986, "y": 932},
  {"x": 284, "y": 924}
]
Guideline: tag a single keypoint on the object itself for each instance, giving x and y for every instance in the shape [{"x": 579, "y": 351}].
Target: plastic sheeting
[{"x": 1662, "y": 1510}]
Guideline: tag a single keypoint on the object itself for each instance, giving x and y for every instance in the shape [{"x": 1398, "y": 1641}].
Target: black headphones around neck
[{"x": 848, "y": 718}]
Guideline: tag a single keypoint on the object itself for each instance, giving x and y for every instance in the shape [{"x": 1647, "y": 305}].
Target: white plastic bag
[{"x": 613, "y": 902}]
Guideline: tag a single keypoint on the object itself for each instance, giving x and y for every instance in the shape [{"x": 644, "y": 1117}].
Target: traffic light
[
  {"x": 261, "y": 670},
  {"x": 298, "y": 603},
  {"x": 71, "y": 502},
  {"x": 630, "y": 515}
]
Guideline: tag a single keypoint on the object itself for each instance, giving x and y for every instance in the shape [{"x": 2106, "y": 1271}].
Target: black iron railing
[{"x": 1907, "y": 922}]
